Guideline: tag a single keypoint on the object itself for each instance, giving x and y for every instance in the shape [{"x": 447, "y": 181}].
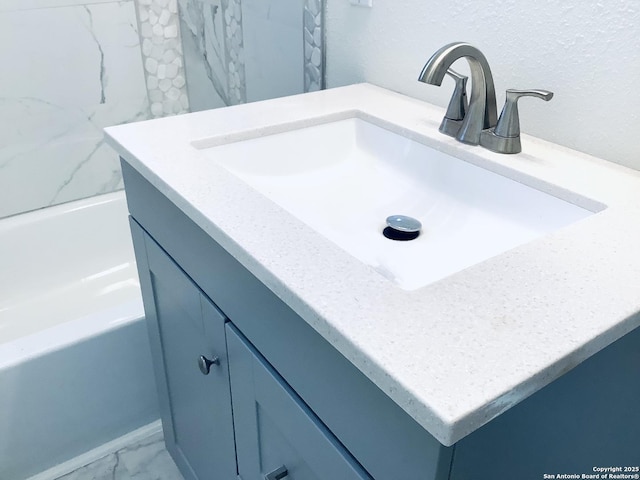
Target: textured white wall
[{"x": 586, "y": 52}]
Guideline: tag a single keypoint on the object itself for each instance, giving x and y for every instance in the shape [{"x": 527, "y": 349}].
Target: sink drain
[{"x": 402, "y": 228}]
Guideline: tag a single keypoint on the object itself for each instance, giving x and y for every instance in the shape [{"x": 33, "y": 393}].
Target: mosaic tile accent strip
[
  {"x": 162, "y": 56},
  {"x": 313, "y": 46},
  {"x": 234, "y": 51}
]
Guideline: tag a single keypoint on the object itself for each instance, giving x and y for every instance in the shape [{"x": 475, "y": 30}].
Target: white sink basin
[{"x": 344, "y": 178}]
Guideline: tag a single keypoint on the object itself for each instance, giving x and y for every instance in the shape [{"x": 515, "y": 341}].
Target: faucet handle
[
  {"x": 505, "y": 136},
  {"x": 509, "y": 122},
  {"x": 458, "y": 105}
]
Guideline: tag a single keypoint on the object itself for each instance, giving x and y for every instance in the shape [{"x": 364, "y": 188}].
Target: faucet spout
[{"x": 482, "y": 113}]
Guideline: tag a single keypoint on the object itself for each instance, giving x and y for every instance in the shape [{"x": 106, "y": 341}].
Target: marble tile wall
[
  {"x": 273, "y": 42},
  {"x": 210, "y": 67},
  {"x": 238, "y": 51},
  {"x": 70, "y": 70},
  {"x": 78, "y": 66}
]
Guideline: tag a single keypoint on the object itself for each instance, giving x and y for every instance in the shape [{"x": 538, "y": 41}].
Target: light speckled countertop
[{"x": 456, "y": 353}]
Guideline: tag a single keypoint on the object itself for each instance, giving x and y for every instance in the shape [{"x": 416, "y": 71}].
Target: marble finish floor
[{"x": 145, "y": 460}]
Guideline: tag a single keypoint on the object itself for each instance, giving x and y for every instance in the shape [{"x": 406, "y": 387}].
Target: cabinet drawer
[{"x": 275, "y": 430}]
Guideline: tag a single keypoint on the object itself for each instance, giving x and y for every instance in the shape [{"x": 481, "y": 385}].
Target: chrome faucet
[
  {"x": 458, "y": 105},
  {"x": 477, "y": 124},
  {"x": 505, "y": 136},
  {"x": 482, "y": 112}
]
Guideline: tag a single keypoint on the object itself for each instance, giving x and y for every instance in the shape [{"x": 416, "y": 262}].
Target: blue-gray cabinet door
[
  {"x": 184, "y": 325},
  {"x": 277, "y": 435}
]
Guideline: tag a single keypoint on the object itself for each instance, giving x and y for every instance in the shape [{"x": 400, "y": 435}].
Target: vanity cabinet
[
  {"x": 187, "y": 333},
  {"x": 317, "y": 414},
  {"x": 276, "y": 434},
  {"x": 283, "y": 403}
]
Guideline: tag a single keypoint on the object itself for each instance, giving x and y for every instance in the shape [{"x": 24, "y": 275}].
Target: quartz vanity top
[{"x": 458, "y": 352}]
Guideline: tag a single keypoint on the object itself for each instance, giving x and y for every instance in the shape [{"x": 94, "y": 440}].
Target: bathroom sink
[{"x": 344, "y": 178}]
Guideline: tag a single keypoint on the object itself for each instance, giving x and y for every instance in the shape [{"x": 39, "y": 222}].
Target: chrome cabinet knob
[
  {"x": 277, "y": 474},
  {"x": 204, "y": 364}
]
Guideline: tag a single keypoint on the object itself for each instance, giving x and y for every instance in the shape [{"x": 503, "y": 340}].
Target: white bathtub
[{"x": 75, "y": 368}]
